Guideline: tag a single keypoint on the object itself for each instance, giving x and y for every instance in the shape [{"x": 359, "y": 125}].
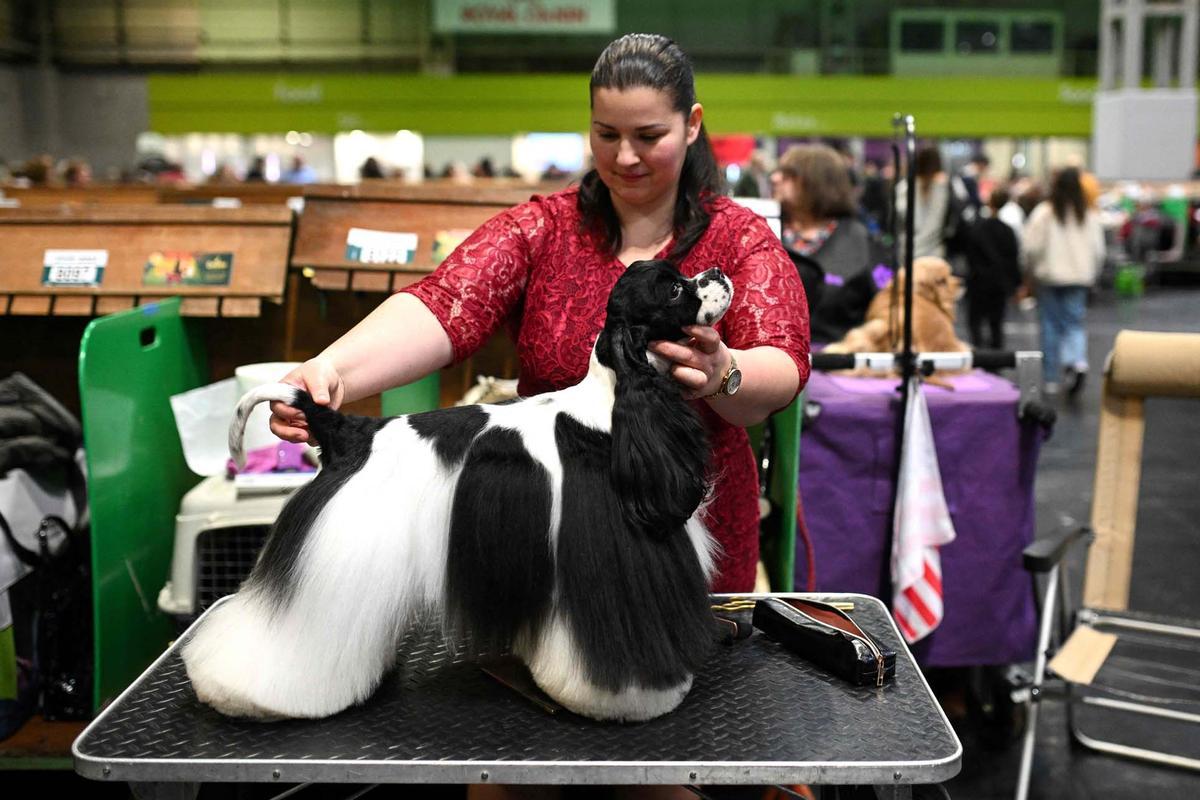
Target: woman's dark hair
[
  {"x": 826, "y": 191},
  {"x": 655, "y": 62},
  {"x": 926, "y": 164},
  {"x": 1066, "y": 194}
]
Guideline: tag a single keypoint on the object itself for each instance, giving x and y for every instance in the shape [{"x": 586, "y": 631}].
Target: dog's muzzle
[{"x": 715, "y": 291}]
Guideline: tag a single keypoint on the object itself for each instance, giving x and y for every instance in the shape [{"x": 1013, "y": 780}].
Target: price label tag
[{"x": 73, "y": 267}]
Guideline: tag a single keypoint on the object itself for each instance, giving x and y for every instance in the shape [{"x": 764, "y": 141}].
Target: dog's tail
[{"x": 321, "y": 419}]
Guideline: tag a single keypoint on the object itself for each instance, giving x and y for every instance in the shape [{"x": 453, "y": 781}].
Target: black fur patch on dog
[
  {"x": 450, "y": 429},
  {"x": 499, "y": 568},
  {"x": 345, "y": 447},
  {"x": 637, "y": 602}
]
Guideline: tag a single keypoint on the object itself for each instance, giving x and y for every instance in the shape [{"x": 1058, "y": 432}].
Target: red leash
[{"x": 802, "y": 529}]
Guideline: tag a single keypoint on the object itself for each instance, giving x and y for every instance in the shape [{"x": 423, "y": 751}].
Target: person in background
[
  {"x": 37, "y": 171},
  {"x": 224, "y": 173},
  {"x": 817, "y": 207},
  {"x": 755, "y": 180},
  {"x": 484, "y": 168},
  {"x": 258, "y": 170},
  {"x": 822, "y": 234},
  {"x": 545, "y": 268},
  {"x": 77, "y": 173},
  {"x": 976, "y": 183},
  {"x": 370, "y": 169},
  {"x": 933, "y": 206},
  {"x": 875, "y": 198},
  {"x": 1063, "y": 244},
  {"x": 1011, "y": 213},
  {"x": 300, "y": 172},
  {"x": 993, "y": 272}
]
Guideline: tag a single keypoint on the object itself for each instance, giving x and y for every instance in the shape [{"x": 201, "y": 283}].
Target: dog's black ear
[{"x": 659, "y": 450}]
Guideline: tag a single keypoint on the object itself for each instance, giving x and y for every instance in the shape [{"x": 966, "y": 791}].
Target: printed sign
[
  {"x": 186, "y": 268},
  {"x": 524, "y": 16},
  {"x": 445, "y": 242},
  {"x": 73, "y": 267},
  {"x": 380, "y": 247}
]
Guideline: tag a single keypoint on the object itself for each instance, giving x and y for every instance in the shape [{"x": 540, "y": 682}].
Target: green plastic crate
[{"x": 130, "y": 363}]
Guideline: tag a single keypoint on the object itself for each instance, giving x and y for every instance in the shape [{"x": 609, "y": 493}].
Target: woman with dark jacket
[{"x": 821, "y": 232}]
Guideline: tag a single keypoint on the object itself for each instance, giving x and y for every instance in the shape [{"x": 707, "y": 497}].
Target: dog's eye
[{"x": 676, "y": 290}]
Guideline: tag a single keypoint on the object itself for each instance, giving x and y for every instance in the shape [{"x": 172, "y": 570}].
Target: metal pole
[
  {"x": 907, "y": 366},
  {"x": 903, "y": 125}
]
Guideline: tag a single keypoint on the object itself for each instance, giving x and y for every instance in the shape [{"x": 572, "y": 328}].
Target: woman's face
[
  {"x": 639, "y": 141},
  {"x": 785, "y": 188}
]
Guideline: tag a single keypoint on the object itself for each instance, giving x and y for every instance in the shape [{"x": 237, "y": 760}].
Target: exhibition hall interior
[{"x": 599, "y": 398}]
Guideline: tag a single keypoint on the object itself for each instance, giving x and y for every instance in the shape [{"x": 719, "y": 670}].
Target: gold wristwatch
[{"x": 731, "y": 381}]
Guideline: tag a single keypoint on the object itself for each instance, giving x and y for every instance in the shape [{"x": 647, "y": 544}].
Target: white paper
[{"x": 202, "y": 417}]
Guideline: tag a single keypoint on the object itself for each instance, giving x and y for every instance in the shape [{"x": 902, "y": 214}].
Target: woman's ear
[
  {"x": 659, "y": 451},
  {"x": 694, "y": 119}
]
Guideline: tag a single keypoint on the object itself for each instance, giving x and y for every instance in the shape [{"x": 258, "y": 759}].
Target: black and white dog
[{"x": 563, "y": 527}]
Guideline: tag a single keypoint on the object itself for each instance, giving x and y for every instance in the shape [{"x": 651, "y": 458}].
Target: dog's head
[
  {"x": 659, "y": 451},
  {"x": 936, "y": 283},
  {"x": 652, "y": 300}
]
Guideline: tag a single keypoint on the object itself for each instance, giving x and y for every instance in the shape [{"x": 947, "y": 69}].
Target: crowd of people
[{"x": 1012, "y": 240}]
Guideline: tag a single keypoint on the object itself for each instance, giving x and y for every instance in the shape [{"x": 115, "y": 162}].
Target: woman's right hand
[{"x": 320, "y": 379}]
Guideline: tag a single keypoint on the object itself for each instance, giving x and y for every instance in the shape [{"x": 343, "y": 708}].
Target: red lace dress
[{"x": 531, "y": 269}]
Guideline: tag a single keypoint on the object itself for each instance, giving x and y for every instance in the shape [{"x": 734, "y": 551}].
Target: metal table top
[{"x": 756, "y": 714}]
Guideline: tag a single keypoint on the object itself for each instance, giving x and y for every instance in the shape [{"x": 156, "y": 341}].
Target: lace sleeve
[
  {"x": 769, "y": 306},
  {"x": 482, "y": 282}
]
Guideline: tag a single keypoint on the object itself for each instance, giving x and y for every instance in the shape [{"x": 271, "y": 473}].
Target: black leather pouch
[{"x": 827, "y": 637}]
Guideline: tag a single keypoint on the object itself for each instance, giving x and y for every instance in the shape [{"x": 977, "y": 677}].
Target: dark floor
[
  {"x": 1165, "y": 566},
  {"x": 1167, "y": 558}
]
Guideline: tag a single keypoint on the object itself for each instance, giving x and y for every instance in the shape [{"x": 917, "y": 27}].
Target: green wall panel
[{"x": 502, "y": 104}]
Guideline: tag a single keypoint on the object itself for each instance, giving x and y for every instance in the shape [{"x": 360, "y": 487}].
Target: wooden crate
[
  {"x": 426, "y": 210},
  {"x": 256, "y": 238},
  {"x": 248, "y": 194},
  {"x": 319, "y": 252},
  {"x": 97, "y": 195}
]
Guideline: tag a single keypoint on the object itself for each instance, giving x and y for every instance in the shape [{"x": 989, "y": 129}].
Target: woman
[
  {"x": 828, "y": 244},
  {"x": 545, "y": 269},
  {"x": 934, "y": 212},
  {"x": 816, "y": 198},
  {"x": 1063, "y": 245}
]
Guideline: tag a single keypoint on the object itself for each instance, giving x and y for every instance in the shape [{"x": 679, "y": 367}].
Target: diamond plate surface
[{"x": 753, "y": 704}]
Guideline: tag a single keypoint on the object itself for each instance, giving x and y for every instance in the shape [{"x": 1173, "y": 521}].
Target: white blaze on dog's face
[
  {"x": 715, "y": 291},
  {"x": 654, "y": 299}
]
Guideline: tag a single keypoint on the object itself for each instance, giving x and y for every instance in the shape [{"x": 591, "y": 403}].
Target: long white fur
[
  {"x": 375, "y": 561},
  {"x": 274, "y": 392}
]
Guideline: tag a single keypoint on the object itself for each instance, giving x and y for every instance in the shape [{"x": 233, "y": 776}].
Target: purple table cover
[{"x": 987, "y": 460}]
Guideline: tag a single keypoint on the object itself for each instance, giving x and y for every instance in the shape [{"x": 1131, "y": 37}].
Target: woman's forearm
[
  {"x": 399, "y": 342},
  {"x": 769, "y": 382}
]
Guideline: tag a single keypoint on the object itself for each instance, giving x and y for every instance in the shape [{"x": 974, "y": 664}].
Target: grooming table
[{"x": 757, "y": 714}]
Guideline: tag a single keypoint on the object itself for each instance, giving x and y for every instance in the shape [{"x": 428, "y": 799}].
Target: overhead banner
[{"x": 524, "y": 16}]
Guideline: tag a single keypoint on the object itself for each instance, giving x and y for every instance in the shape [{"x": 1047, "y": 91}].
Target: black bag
[
  {"x": 827, "y": 637},
  {"x": 52, "y": 607}
]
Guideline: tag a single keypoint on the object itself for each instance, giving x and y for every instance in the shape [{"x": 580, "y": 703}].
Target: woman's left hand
[{"x": 699, "y": 364}]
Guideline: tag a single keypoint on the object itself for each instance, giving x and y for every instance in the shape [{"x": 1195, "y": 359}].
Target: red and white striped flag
[{"x": 921, "y": 525}]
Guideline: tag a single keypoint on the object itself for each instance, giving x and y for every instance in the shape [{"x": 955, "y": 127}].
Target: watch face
[{"x": 735, "y": 381}]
